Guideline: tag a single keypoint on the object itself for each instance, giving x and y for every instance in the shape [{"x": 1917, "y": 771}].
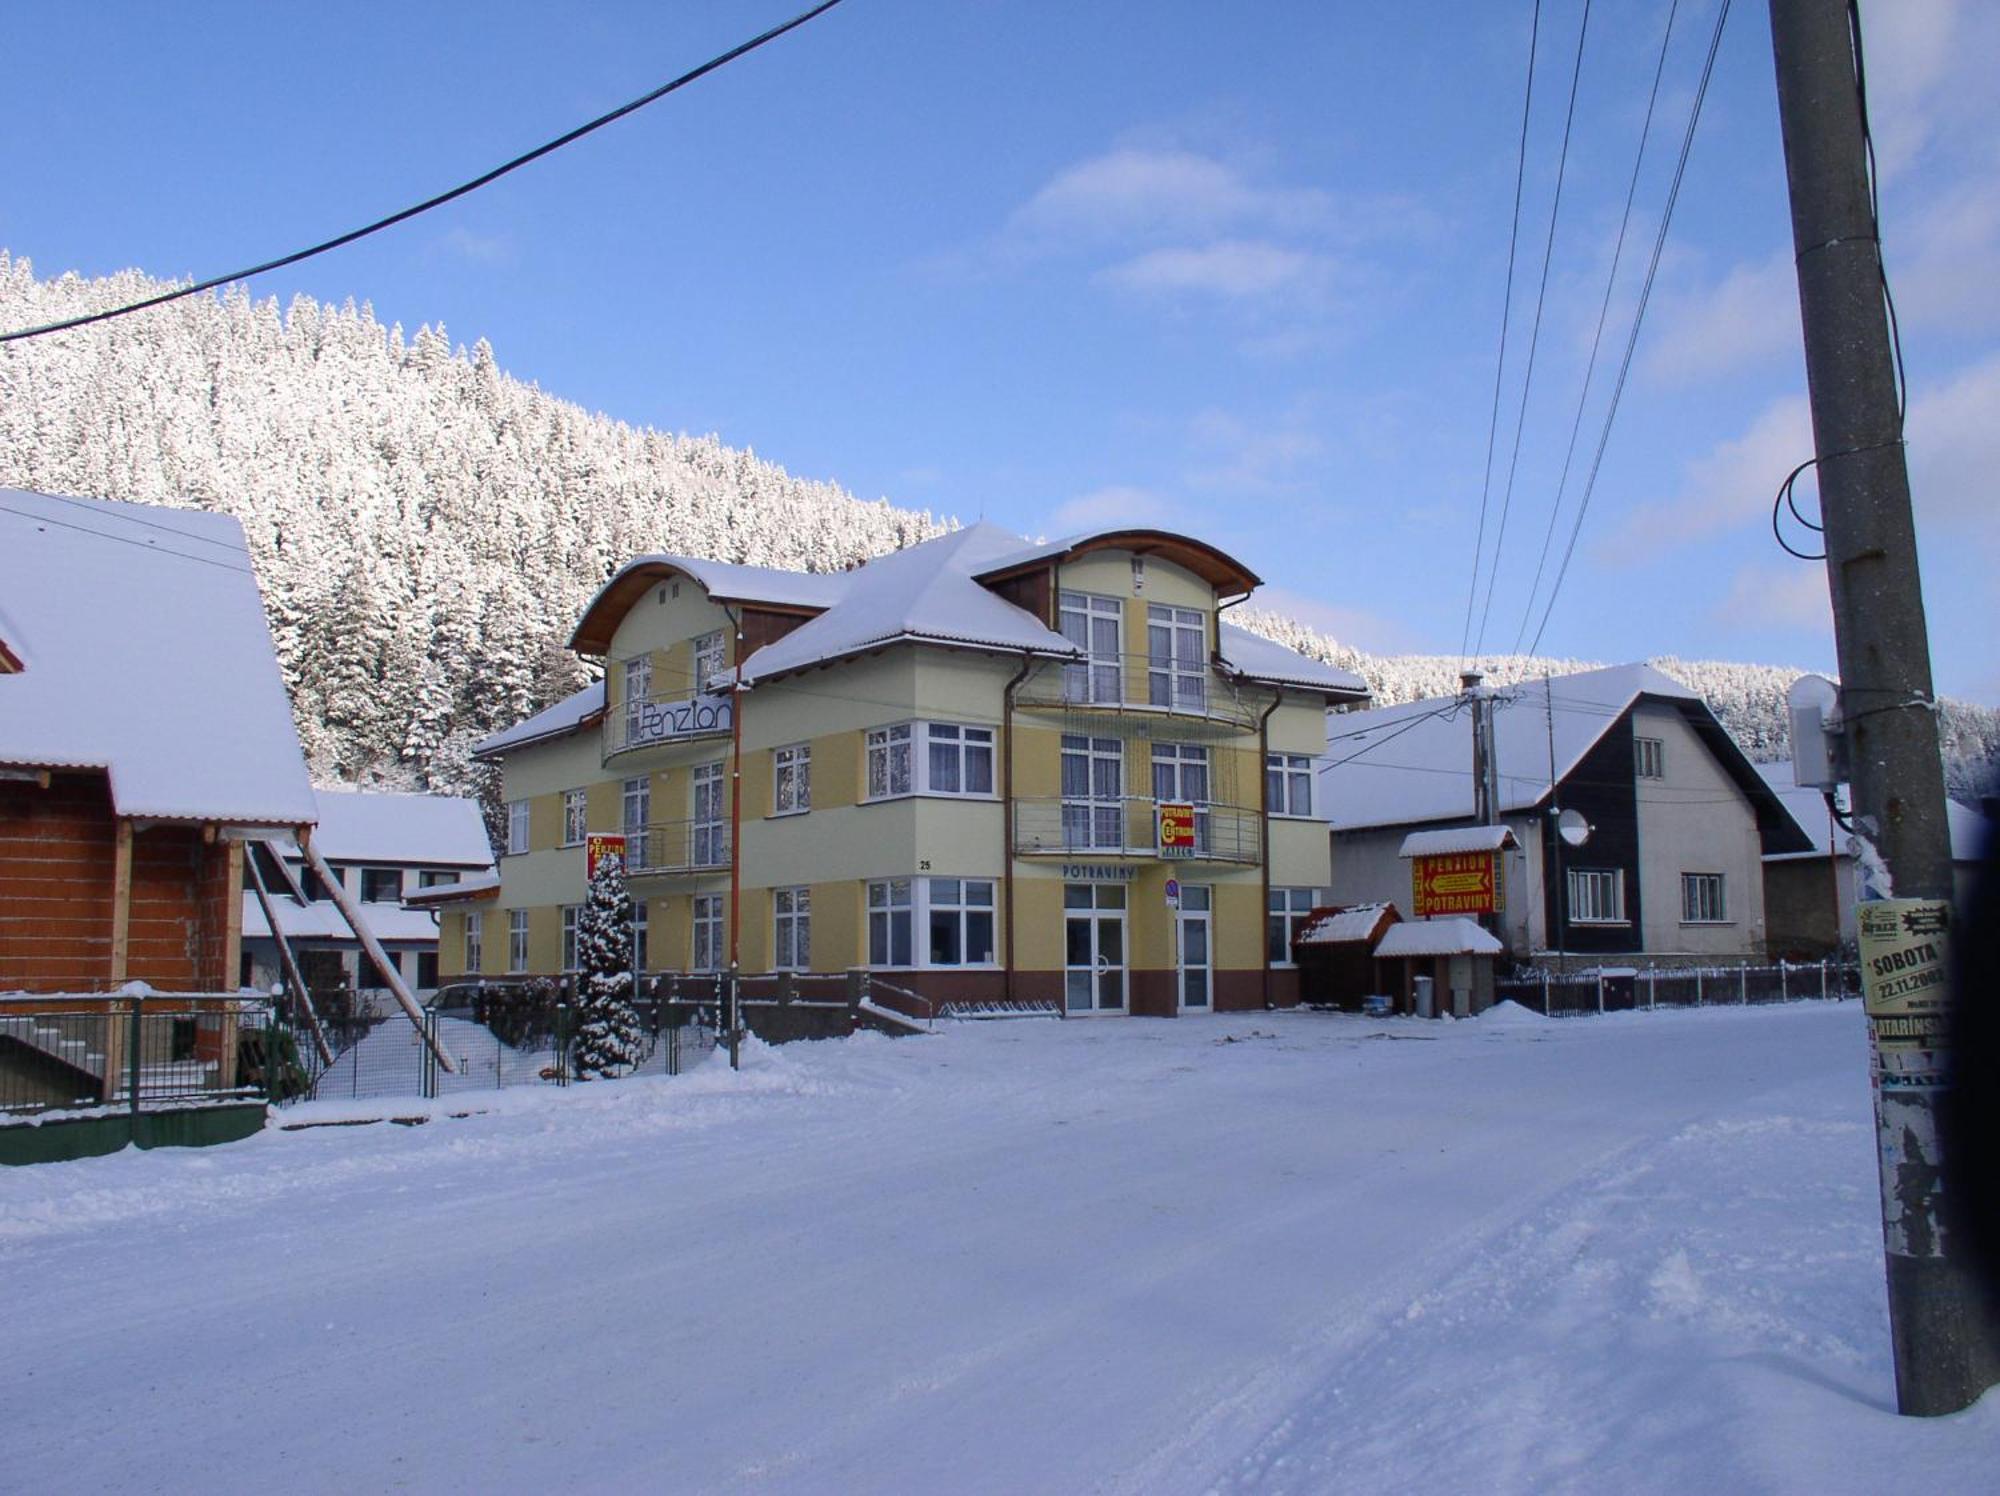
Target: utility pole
[{"x": 1945, "y": 1347}]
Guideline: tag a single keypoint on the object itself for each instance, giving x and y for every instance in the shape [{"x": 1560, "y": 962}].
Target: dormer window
[{"x": 708, "y": 660}]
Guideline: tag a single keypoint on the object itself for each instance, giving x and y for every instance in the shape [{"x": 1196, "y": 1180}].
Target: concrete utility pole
[{"x": 1945, "y": 1349}]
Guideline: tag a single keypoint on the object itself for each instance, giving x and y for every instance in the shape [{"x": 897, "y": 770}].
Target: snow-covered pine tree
[{"x": 609, "y": 1039}]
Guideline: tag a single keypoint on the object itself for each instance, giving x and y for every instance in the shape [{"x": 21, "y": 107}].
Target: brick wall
[{"x": 56, "y": 851}]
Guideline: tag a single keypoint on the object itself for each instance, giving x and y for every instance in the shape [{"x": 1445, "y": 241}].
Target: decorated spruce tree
[{"x": 609, "y": 1039}]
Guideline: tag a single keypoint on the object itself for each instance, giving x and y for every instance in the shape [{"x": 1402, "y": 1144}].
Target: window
[
  {"x": 708, "y": 831},
  {"x": 427, "y": 970},
  {"x": 961, "y": 921},
  {"x": 791, "y": 920},
  {"x": 475, "y": 940},
  {"x": 960, "y": 761},
  {"x": 708, "y": 660},
  {"x": 707, "y": 932},
  {"x": 517, "y": 940},
  {"x": 1176, "y": 658},
  {"x": 889, "y": 923},
  {"x": 1283, "y": 913},
  {"x": 1093, "y": 808},
  {"x": 791, "y": 779},
  {"x": 1702, "y": 899},
  {"x": 435, "y": 877},
  {"x": 1096, "y": 626},
  {"x": 570, "y": 915},
  {"x": 638, "y": 690},
  {"x": 314, "y": 886},
  {"x": 381, "y": 885},
  {"x": 573, "y": 818},
  {"x": 517, "y": 827},
  {"x": 640, "y": 943},
  {"x": 636, "y": 806},
  {"x": 1180, "y": 777},
  {"x": 1288, "y": 784},
  {"x": 1649, "y": 758},
  {"x": 1597, "y": 896},
  {"x": 889, "y": 762}
]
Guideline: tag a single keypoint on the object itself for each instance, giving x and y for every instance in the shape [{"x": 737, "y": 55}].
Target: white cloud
[
  {"x": 1750, "y": 316},
  {"x": 1911, "y": 47},
  {"x": 1792, "y": 597},
  {"x": 1954, "y": 451},
  {"x": 1722, "y": 490},
  {"x": 482, "y": 249},
  {"x": 1231, "y": 268},
  {"x": 1357, "y": 627},
  {"x": 1238, "y": 457},
  {"x": 1135, "y": 193},
  {"x": 1109, "y": 507}
]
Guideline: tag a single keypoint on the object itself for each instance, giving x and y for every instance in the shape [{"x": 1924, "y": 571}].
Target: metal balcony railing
[
  {"x": 652, "y": 720},
  {"x": 1129, "y": 827},
  {"x": 1139, "y": 683},
  {"x": 668, "y": 847}
]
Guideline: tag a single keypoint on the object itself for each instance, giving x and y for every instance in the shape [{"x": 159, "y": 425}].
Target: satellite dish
[{"x": 1573, "y": 828}]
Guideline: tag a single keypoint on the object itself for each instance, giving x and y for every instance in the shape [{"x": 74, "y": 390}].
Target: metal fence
[
  {"x": 137, "y": 1053},
  {"x": 1623, "y": 988}
]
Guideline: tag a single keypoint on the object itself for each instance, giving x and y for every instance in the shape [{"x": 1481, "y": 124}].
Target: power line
[
  {"x": 152, "y": 547},
  {"x": 1597, "y": 338},
  {"x": 1506, "y": 314},
  {"x": 1638, "y": 321},
  {"x": 1534, "y": 337},
  {"x": 720, "y": 60}
]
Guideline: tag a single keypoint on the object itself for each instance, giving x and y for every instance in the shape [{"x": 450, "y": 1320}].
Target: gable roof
[
  {"x": 725, "y": 582},
  {"x": 1412, "y": 764},
  {"x": 574, "y": 711},
  {"x": 145, "y": 653},
  {"x": 1252, "y": 657},
  {"x": 1451, "y": 935},
  {"x": 380, "y": 826},
  {"x": 1216, "y": 567},
  {"x": 1966, "y": 825}
]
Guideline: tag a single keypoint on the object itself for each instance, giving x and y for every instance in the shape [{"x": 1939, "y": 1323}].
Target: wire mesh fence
[
  {"x": 139, "y": 1052},
  {"x": 1617, "y": 989}
]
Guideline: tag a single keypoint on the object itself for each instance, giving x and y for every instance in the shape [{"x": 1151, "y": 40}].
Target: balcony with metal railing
[
  {"x": 1129, "y": 826},
  {"x": 1177, "y": 688},
  {"x": 668, "y": 849},
  {"x": 650, "y": 721}
]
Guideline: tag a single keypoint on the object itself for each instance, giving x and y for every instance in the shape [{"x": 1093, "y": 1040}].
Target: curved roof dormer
[
  {"x": 765, "y": 586},
  {"x": 1218, "y": 568}
]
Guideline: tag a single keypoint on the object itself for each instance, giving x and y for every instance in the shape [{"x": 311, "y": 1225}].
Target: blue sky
[{"x": 1234, "y": 269}]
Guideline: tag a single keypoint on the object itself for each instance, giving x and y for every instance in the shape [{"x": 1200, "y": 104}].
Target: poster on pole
[
  {"x": 1905, "y": 965},
  {"x": 596, "y": 847}
]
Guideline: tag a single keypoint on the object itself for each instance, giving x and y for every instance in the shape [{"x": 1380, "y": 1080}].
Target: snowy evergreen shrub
[{"x": 610, "y": 1040}]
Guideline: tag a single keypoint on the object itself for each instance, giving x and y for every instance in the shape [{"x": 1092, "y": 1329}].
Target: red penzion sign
[
  {"x": 598, "y": 846},
  {"x": 1455, "y": 883}
]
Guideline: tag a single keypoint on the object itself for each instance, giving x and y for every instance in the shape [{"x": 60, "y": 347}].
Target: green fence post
[{"x": 132, "y": 1040}]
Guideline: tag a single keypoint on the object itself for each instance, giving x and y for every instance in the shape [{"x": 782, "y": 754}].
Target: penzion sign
[{"x": 1455, "y": 883}]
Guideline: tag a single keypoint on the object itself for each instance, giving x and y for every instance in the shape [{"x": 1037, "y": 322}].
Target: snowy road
[{"x": 1277, "y": 1252}]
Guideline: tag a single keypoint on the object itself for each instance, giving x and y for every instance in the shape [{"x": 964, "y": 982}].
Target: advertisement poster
[
  {"x": 1455, "y": 883},
  {"x": 1905, "y": 953}
]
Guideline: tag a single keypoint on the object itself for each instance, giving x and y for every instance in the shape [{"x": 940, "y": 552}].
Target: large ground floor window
[{"x": 957, "y": 916}]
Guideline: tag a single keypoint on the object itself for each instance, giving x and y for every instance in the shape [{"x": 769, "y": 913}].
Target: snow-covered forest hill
[{"x": 426, "y": 528}]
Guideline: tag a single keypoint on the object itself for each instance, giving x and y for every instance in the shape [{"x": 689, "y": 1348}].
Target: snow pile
[{"x": 389, "y": 1062}]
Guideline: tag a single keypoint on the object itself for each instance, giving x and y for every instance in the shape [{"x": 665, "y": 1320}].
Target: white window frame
[
  {"x": 641, "y": 937},
  {"x": 711, "y": 658},
  {"x": 954, "y": 899},
  {"x": 518, "y": 821},
  {"x": 791, "y": 928},
  {"x": 1176, "y": 658},
  {"x": 885, "y": 913},
  {"x": 1649, "y": 758},
  {"x": 1171, "y": 786},
  {"x": 638, "y": 691},
  {"x": 475, "y": 940},
  {"x": 517, "y": 940},
  {"x": 1603, "y": 891},
  {"x": 962, "y": 747},
  {"x": 705, "y": 932},
  {"x": 635, "y": 805},
  {"x": 575, "y": 817},
  {"x": 1288, "y": 785},
  {"x": 1093, "y": 820},
  {"x": 708, "y": 835},
  {"x": 572, "y": 924},
  {"x": 791, "y": 779},
  {"x": 1696, "y": 905},
  {"x": 1284, "y": 909},
  {"x": 890, "y": 749},
  {"x": 1096, "y": 625}
]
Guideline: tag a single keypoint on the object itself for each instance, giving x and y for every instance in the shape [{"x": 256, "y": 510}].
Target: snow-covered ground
[{"x": 1266, "y": 1253}]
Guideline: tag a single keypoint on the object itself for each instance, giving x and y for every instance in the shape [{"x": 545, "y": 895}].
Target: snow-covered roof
[
  {"x": 322, "y": 920},
  {"x": 147, "y": 655},
  {"x": 1453, "y": 935},
  {"x": 1253, "y": 657},
  {"x": 1214, "y": 566},
  {"x": 565, "y": 716},
  {"x": 451, "y": 893},
  {"x": 1396, "y": 765},
  {"x": 378, "y": 826},
  {"x": 923, "y": 593},
  {"x": 1455, "y": 839},
  {"x": 723, "y": 580},
  {"x": 1341, "y": 926},
  {"x": 1966, "y": 825}
]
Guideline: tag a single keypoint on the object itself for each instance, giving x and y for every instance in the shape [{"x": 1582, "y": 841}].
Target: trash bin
[{"x": 1423, "y": 996}]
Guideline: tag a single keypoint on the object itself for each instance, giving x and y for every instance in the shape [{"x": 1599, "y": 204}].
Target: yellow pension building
[{"x": 985, "y": 768}]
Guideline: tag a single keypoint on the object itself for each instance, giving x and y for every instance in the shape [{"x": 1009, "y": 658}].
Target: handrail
[
  {"x": 1139, "y": 683},
  {"x": 684, "y": 846},
  {"x": 665, "y": 717},
  {"x": 1126, "y": 826}
]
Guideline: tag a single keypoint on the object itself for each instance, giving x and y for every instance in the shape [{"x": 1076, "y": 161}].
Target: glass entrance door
[
  {"x": 1093, "y": 948},
  {"x": 1197, "y": 963}
]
